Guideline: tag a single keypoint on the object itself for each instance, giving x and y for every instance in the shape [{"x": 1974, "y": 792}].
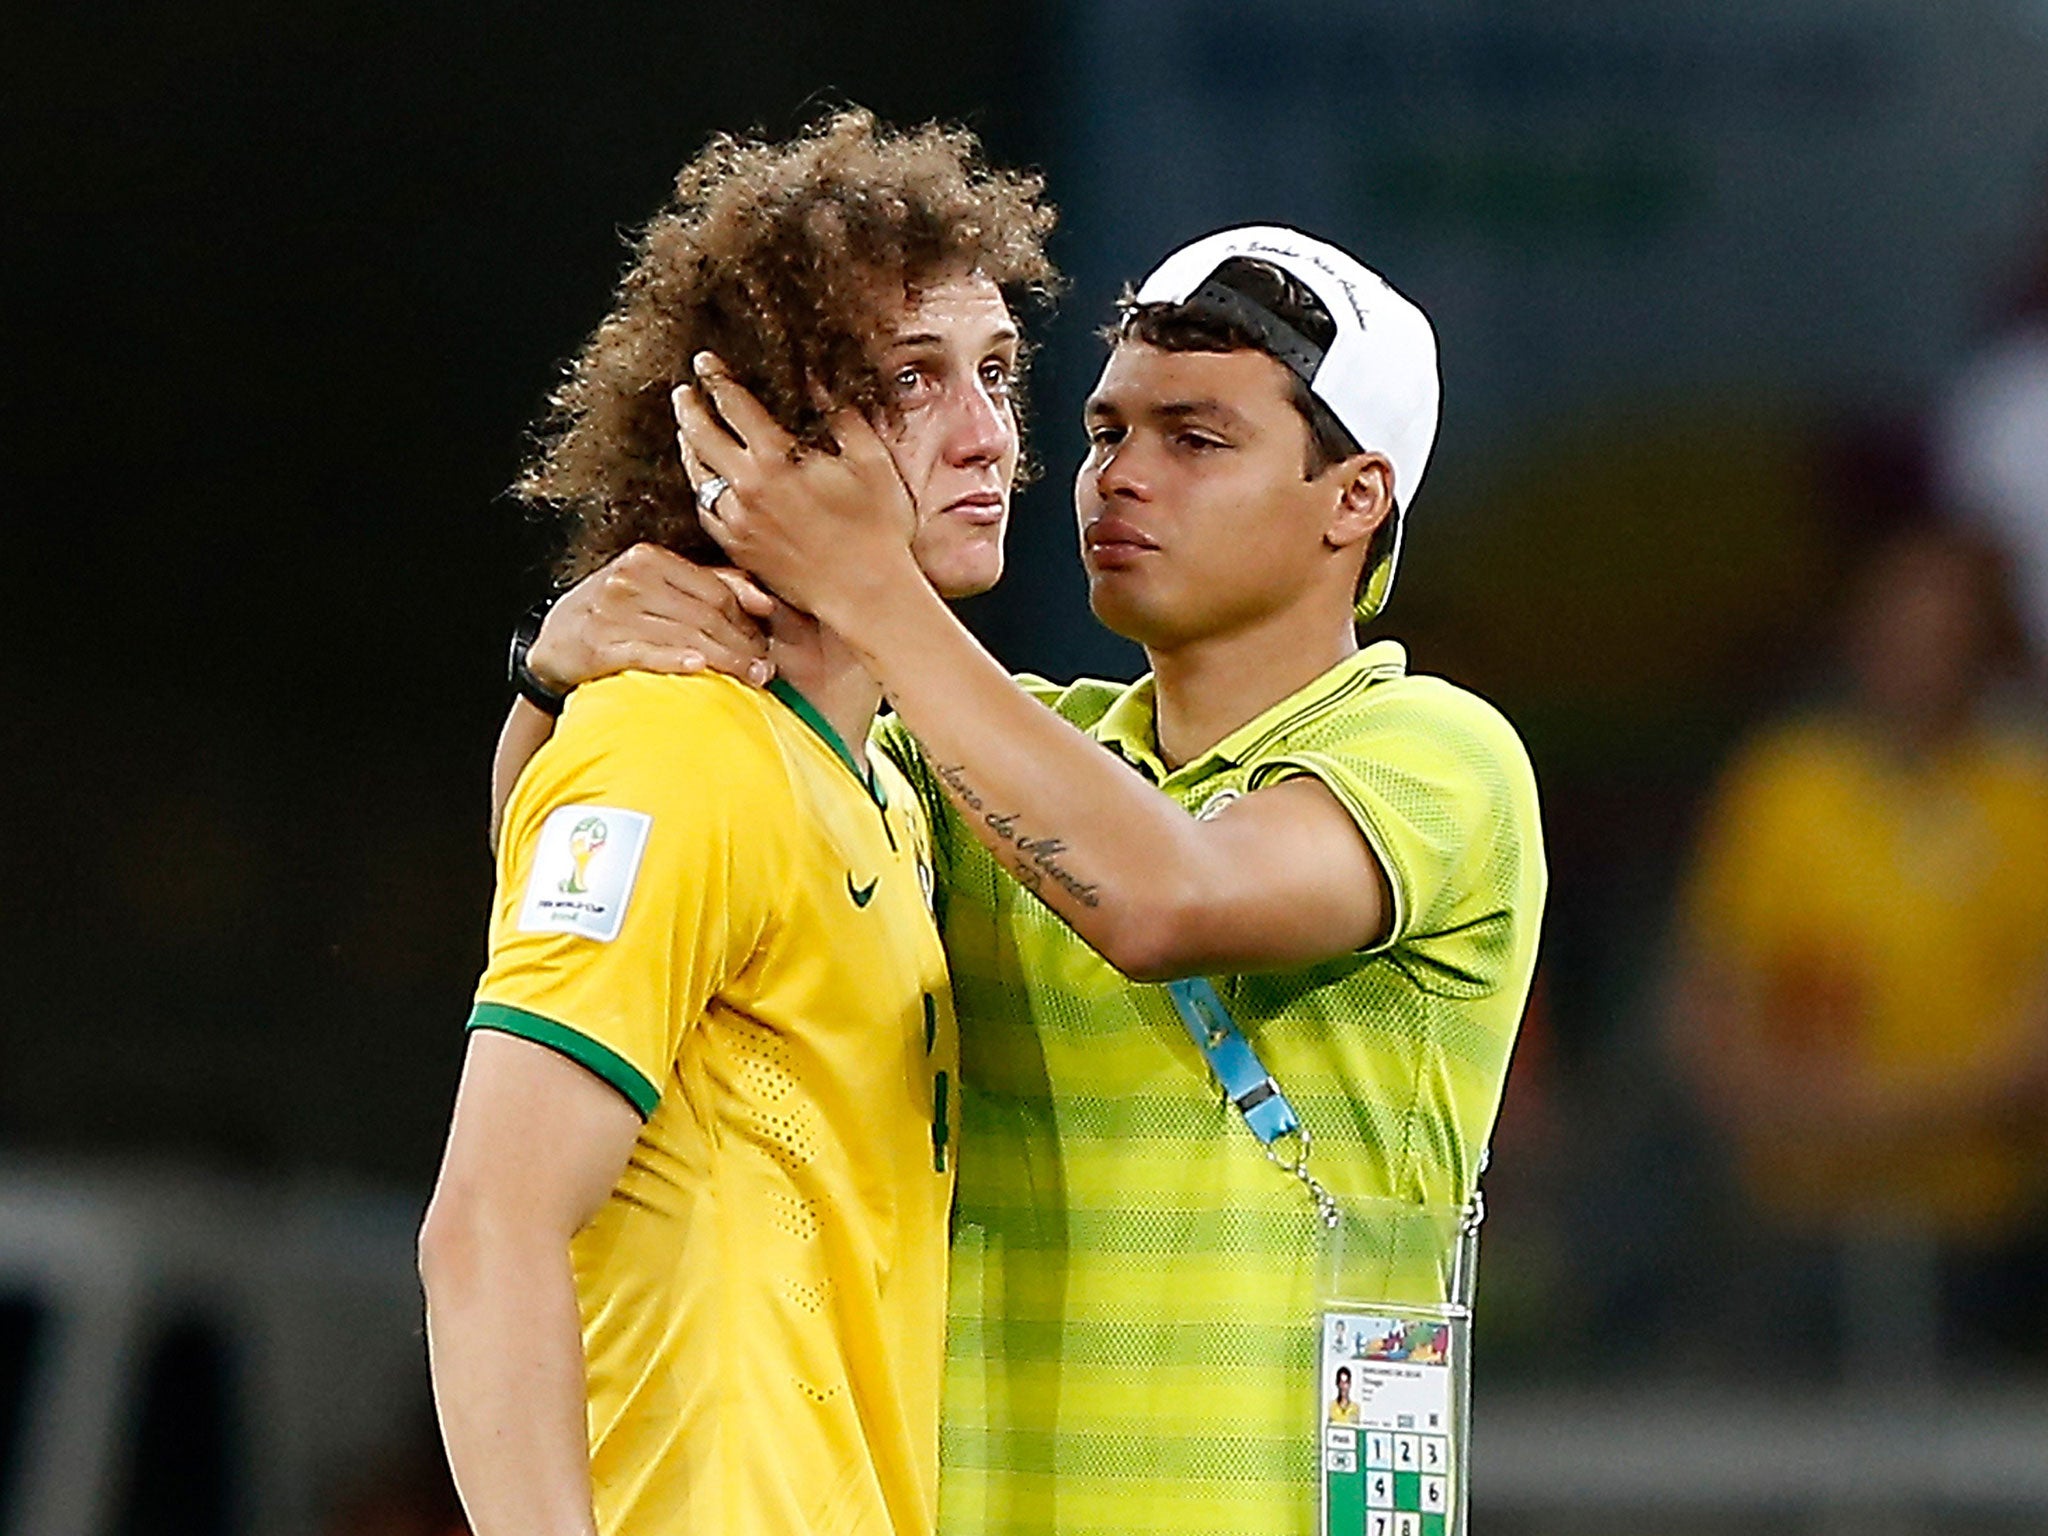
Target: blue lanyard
[{"x": 1245, "y": 1080}]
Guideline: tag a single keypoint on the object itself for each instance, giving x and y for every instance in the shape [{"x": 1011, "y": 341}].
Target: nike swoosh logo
[{"x": 861, "y": 894}]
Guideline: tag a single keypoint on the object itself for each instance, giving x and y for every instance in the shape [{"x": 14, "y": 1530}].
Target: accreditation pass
[{"x": 1386, "y": 1388}]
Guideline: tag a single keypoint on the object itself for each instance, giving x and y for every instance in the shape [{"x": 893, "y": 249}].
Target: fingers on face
[
  {"x": 853, "y": 432},
  {"x": 860, "y": 443}
]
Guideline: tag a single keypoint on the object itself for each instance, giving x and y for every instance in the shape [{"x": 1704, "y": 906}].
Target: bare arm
[
  {"x": 536, "y": 1146},
  {"x": 1281, "y": 878},
  {"x": 525, "y": 732},
  {"x": 649, "y": 610}
]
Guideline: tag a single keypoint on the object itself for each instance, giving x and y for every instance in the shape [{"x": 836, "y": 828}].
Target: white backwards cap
[{"x": 1378, "y": 376}]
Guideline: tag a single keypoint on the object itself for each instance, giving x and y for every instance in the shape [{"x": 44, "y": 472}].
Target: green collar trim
[
  {"x": 1130, "y": 724},
  {"x": 807, "y": 712}
]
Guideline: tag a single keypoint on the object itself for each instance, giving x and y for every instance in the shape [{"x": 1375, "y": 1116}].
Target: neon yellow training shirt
[
  {"x": 1134, "y": 1282},
  {"x": 707, "y": 901}
]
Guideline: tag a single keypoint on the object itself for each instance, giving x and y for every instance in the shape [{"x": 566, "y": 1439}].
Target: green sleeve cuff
[{"x": 599, "y": 1060}]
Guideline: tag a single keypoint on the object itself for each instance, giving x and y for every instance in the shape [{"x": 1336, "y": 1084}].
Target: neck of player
[
  {"x": 823, "y": 668},
  {"x": 1206, "y": 688}
]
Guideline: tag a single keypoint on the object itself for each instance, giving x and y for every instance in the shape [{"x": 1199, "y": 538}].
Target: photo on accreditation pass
[{"x": 1387, "y": 1390}]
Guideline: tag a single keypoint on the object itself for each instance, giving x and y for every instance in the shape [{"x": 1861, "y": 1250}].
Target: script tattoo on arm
[{"x": 1036, "y": 859}]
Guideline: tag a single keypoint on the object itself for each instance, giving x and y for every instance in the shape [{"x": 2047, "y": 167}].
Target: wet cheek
[
  {"x": 914, "y": 447},
  {"x": 1084, "y": 487}
]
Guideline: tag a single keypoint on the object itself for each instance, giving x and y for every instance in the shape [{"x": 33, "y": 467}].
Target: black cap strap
[{"x": 1302, "y": 356}]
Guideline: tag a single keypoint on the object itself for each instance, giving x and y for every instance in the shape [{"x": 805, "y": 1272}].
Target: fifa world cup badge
[{"x": 584, "y": 865}]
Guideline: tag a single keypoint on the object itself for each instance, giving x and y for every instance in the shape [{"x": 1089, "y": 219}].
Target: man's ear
[{"x": 1365, "y": 501}]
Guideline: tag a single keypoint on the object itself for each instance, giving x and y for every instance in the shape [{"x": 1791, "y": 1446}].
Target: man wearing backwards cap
[{"x": 1135, "y": 1281}]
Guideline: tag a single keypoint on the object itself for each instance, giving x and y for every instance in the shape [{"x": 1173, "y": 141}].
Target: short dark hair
[{"x": 1188, "y": 327}]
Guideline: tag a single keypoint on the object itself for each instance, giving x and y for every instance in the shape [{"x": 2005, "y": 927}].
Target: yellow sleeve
[
  {"x": 1441, "y": 788},
  {"x": 636, "y": 870}
]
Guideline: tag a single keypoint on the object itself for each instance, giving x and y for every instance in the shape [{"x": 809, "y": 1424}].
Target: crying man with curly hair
[{"x": 685, "y": 1261}]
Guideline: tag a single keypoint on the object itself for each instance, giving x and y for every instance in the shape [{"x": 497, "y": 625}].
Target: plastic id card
[{"x": 1391, "y": 1410}]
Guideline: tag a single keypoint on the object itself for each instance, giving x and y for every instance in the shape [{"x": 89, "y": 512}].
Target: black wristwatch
[{"x": 529, "y": 687}]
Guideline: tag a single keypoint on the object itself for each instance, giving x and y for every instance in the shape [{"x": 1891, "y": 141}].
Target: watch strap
[{"x": 529, "y": 687}]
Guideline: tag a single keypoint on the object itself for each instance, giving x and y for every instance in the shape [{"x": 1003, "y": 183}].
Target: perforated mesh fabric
[
  {"x": 761, "y": 1294},
  {"x": 1133, "y": 1281}
]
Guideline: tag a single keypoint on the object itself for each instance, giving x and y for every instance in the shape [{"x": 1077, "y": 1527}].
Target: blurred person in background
[
  {"x": 1861, "y": 1000},
  {"x": 685, "y": 1261},
  {"x": 1991, "y": 434},
  {"x": 1362, "y": 874}
]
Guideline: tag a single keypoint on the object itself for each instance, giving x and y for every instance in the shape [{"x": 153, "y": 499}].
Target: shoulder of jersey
[
  {"x": 1460, "y": 716},
  {"x": 654, "y": 703},
  {"x": 695, "y": 718}
]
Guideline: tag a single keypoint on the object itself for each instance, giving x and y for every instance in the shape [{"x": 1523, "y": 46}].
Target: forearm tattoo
[{"x": 1036, "y": 859}]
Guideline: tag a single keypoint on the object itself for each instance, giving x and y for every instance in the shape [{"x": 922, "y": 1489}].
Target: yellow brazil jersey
[
  {"x": 1892, "y": 913},
  {"x": 707, "y": 901},
  {"x": 1133, "y": 1281}
]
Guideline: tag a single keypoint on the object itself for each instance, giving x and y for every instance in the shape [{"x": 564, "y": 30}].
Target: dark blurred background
[
  {"x": 1729, "y": 299},
  {"x": 293, "y": 285}
]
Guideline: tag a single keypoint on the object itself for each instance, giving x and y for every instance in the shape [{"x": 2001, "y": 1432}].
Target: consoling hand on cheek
[{"x": 822, "y": 529}]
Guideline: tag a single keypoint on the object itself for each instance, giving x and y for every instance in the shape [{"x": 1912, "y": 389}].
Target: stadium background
[{"x": 287, "y": 287}]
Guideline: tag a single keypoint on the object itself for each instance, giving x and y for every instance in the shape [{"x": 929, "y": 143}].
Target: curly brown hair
[{"x": 780, "y": 258}]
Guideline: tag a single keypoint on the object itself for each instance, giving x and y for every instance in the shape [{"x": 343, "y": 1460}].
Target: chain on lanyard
[
  {"x": 1326, "y": 1203},
  {"x": 1271, "y": 1119},
  {"x": 1247, "y": 1084},
  {"x": 1465, "y": 1264}
]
